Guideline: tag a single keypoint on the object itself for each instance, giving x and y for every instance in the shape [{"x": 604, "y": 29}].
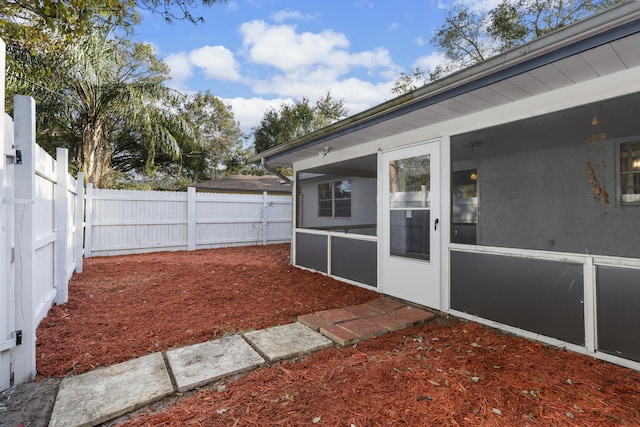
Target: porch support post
[
  {"x": 445, "y": 221},
  {"x": 590, "y": 309}
]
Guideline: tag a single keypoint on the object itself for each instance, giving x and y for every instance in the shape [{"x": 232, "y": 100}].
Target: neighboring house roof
[
  {"x": 245, "y": 184},
  {"x": 550, "y": 62}
]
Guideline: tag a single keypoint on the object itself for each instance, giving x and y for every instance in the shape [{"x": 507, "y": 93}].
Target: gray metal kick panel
[
  {"x": 311, "y": 251},
  {"x": 618, "y": 299},
  {"x": 545, "y": 297},
  {"x": 355, "y": 260}
]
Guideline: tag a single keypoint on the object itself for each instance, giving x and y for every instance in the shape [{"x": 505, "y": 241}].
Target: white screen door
[{"x": 410, "y": 224}]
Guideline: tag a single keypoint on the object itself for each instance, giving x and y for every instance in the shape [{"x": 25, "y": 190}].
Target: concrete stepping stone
[
  {"x": 106, "y": 393},
  {"x": 286, "y": 341},
  {"x": 200, "y": 364}
]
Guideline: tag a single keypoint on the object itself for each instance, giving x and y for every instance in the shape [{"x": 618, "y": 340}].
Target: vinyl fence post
[
  {"x": 78, "y": 249},
  {"x": 88, "y": 220},
  {"x": 191, "y": 218},
  {"x": 62, "y": 225},
  {"x": 24, "y": 112},
  {"x": 264, "y": 218}
]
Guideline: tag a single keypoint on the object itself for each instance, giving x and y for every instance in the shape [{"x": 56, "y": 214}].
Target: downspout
[{"x": 274, "y": 171}]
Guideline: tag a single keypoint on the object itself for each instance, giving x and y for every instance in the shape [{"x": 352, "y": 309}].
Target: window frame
[
  {"x": 633, "y": 171},
  {"x": 333, "y": 200}
]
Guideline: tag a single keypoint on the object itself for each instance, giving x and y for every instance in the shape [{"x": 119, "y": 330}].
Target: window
[
  {"x": 334, "y": 199},
  {"x": 630, "y": 173}
]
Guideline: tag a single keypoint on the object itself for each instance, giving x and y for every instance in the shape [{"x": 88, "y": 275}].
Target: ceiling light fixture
[
  {"x": 324, "y": 151},
  {"x": 472, "y": 144}
]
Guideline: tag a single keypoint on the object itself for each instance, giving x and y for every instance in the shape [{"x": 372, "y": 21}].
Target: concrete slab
[
  {"x": 106, "y": 393},
  {"x": 283, "y": 342},
  {"x": 203, "y": 363}
]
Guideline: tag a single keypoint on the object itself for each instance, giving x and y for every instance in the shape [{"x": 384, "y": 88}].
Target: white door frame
[{"x": 421, "y": 280}]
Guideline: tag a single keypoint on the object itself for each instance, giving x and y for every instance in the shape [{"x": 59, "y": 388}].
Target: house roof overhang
[{"x": 599, "y": 45}]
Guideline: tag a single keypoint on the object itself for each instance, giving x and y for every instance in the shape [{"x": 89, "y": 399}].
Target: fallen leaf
[{"x": 497, "y": 411}]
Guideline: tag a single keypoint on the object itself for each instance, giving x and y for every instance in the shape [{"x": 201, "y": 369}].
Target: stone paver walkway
[
  {"x": 106, "y": 393},
  {"x": 347, "y": 326}
]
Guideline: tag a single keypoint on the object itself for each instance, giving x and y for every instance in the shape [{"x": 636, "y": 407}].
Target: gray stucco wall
[
  {"x": 363, "y": 204},
  {"x": 543, "y": 200}
]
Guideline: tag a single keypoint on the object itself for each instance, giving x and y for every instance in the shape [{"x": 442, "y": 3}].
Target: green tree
[
  {"x": 36, "y": 26},
  {"x": 218, "y": 138},
  {"x": 72, "y": 17},
  {"x": 294, "y": 121},
  {"x": 468, "y": 37},
  {"x": 98, "y": 88}
]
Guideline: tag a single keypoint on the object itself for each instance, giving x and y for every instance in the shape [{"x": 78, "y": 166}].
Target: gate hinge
[{"x": 18, "y": 337}]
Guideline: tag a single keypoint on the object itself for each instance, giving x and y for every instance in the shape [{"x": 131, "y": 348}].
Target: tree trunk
[{"x": 94, "y": 152}]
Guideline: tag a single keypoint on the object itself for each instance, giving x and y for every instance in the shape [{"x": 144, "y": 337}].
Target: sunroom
[{"x": 508, "y": 193}]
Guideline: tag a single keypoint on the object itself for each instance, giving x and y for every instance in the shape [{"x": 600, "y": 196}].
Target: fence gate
[{"x": 7, "y": 297}]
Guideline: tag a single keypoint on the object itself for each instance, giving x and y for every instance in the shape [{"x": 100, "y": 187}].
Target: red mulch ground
[{"x": 444, "y": 373}]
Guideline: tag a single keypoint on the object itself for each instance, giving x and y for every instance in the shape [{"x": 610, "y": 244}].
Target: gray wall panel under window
[
  {"x": 311, "y": 251},
  {"x": 355, "y": 260},
  {"x": 618, "y": 298},
  {"x": 540, "y": 296}
]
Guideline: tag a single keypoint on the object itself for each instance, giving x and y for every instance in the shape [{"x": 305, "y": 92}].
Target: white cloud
[
  {"x": 474, "y": 5},
  {"x": 180, "y": 69},
  {"x": 281, "y": 47},
  {"x": 249, "y": 111},
  {"x": 480, "y": 5},
  {"x": 216, "y": 62},
  {"x": 429, "y": 62},
  {"x": 393, "y": 26},
  {"x": 359, "y": 94},
  {"x": 281, "y": 63},
  {"x": 284, "y": 15},
  {"x": 420, "y": 41}
]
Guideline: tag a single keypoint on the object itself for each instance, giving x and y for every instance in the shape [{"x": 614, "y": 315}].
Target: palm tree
[{"x": 99, "y": 84}]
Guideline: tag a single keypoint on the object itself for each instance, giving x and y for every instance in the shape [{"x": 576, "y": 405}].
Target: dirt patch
[{"x": 444, "y": 373}]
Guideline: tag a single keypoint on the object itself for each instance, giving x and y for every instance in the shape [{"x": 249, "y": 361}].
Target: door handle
[{"x": 435, "y": 224}]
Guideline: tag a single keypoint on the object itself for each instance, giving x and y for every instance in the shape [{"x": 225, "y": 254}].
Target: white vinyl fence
[
  {"x": 126, "y": 222},
  {"x": 48, "y": 224},
  {"x": 38, "y": 250}
]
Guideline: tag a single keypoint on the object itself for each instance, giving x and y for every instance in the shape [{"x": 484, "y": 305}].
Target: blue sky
[{"x": 258, "y": 54}]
